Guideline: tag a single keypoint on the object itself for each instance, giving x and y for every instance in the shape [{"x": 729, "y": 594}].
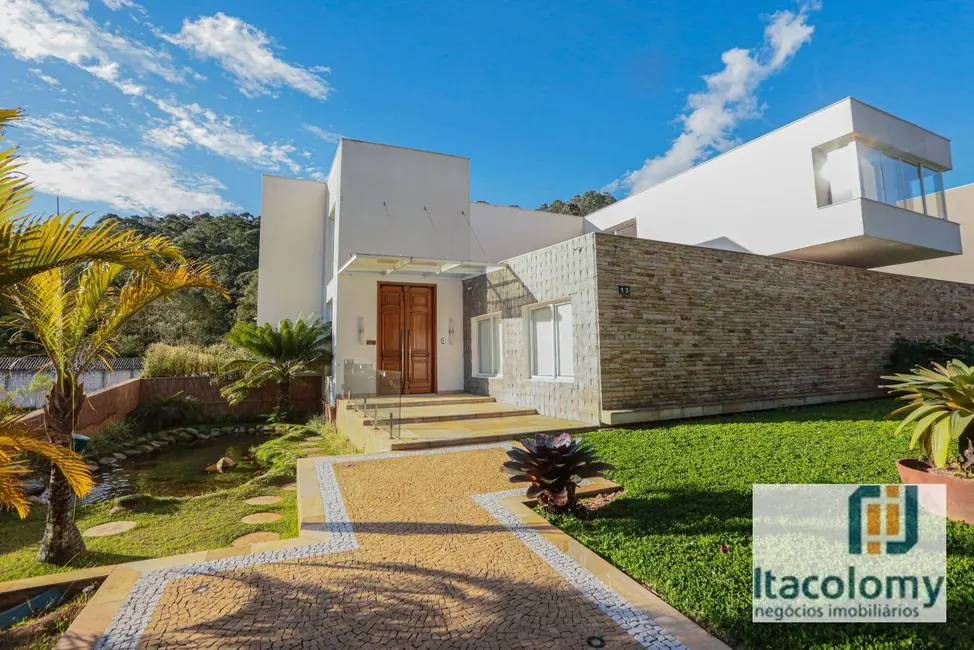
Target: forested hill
[{"x": 229, "y": 243}]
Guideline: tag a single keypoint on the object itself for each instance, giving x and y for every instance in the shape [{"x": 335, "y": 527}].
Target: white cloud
[
  {"x": 246, "y": 52},
  {"x": 37, "y": 30},
  {"x": 115, "y": 5},
  {"x": 48, "y": 79},
  {"x": 327, "y": 136},
  {"x": 730, "y": 96},
  {"x": 192, "y": 123}
]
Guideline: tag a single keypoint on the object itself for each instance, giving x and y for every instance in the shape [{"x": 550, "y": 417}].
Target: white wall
[
  {"x": 760, "y": 197},
  {"x": 292, "y": 249},
  {"x": 397, "y": 201},
  {"x": 358, "y": 294},
  {"x": 504, "y": 232}
]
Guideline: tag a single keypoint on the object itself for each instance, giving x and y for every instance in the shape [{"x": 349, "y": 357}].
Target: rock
[
  {"x": 203, "y": 436},
  {"x": 35, "y": 499},
  {"x": 157, "y": 444},
  {"x": 191, "y": 431},
  {"x": 215, "y": 432},
  {"x": 266, "y": 429},
  {"x": 238, "y": 430},
  {"x": 147, "y": 448},
  {"x": 132, "y": 452},
  {"x": 224, "y": 464},
  {"x": 93, "y": 468},
  {"x": 119, "y": 456},
  {"x": 107, "y": 460},
  {"x": 251, "y": 430}
]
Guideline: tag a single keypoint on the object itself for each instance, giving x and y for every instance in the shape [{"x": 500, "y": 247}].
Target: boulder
[
  {"x": 132, "y": 452},
  {"x": 251, "y": 430},
  {"x": 224, "y": 464},
  {"x": 147, "y": 448},
  {"x": 215, "y": 432},
  {"x": 119, "y": 456},
  {"x": 93, "y": 468},
  {"x": 191, "y": 431},
  {"x": 107, "y": 460}
]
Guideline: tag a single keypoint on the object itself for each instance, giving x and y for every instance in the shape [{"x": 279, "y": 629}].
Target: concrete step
[
  {"x": 449, "y": 433},
  {"x": 395, "y": 402},
  {"x": 446, "y": 412}
]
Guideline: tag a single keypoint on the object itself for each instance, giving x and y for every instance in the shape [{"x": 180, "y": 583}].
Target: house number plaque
[{"x": 624, "y": 289}]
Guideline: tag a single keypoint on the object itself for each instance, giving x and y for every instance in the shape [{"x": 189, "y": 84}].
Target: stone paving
[{"x": 420, "y": 555}]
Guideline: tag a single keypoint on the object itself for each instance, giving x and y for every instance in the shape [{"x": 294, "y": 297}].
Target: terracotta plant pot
[{"x": 960, "y": 492}]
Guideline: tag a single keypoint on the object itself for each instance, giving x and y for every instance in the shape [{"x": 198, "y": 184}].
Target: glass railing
[{"x": 376, "y": 394}]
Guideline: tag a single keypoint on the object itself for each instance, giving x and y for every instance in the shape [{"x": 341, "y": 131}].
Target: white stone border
[
  {"x": 640, "y": 626},
  {"x": 129, "y": 624}
]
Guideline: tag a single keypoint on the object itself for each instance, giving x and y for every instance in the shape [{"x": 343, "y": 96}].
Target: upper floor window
[
  {"x": 858, "y": 170},
  {"x": 552, "y": 343}
]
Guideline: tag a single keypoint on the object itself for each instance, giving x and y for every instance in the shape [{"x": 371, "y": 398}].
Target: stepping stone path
[
  {"x": 255, "y": 538},
  {"x": 109, "y": 529},
  {"x": 263, "y": 501},
  {"x": 290, "y": 487},
  {"x": 261, "y": 518}
]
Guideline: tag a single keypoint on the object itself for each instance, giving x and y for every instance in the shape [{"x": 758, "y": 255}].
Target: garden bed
[{"x": 683, "y": 525}]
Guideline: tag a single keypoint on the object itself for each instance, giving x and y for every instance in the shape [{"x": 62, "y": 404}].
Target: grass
[
  {"x": 173, "y": 525},
  {"x": 688, "y": 491}
]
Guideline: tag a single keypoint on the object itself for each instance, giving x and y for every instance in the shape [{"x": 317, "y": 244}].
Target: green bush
[
  {"x": 907, "y": 354},
  {"x": 112, "y": 433},
  {"x": 164, "y": 412},
  {"x": 280, "y": 455},
  {"x": 163, "y": 360}
]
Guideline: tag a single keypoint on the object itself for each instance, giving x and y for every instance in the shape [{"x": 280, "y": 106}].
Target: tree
[
  {"x": 580, "y": 204},
  {"x": 35, "y": 245},
  {"x": 74, "y": 312},
  {"x": 275, "y": 354}
]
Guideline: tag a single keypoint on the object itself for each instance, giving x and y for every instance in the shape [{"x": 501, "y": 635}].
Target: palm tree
[
  {"x": 32, "y": 244},
  {"x": 16, "y": 439},
  {"x": 74, "y": 312},
  {"x": 275, "y": 354}
]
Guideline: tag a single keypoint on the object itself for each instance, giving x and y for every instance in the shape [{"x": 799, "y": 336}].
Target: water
[{"x": 179, "y": 472}]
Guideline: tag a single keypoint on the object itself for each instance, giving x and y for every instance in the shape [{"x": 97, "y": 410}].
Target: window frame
[
  {"x": 499, "y": 344},
  {"x": 556, "y": 341}
]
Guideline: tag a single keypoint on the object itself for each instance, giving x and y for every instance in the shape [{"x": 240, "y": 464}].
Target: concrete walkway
[{"x": 422, "y": 549}]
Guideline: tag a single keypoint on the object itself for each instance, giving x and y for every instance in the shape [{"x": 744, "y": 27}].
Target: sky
[{"x": 181, "y": 106}]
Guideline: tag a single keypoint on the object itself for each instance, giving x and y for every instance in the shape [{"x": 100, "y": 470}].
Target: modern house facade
[{"x": 703, "y": 294}]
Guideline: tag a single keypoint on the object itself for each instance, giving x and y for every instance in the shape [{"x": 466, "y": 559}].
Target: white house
[{"x": 457, "y": 295}]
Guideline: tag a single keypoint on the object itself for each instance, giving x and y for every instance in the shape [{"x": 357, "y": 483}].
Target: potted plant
[
  {"x": 940, "y": 403},
  {"x": 554, "y": 467}
]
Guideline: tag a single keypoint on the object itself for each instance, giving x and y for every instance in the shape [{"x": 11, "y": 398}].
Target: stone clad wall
[
  {"x": 565, "y": 270},
  {"x": 705, "y": 326}
]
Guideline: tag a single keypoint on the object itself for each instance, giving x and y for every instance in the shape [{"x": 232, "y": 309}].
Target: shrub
[
  {"x": 163, "y": 360},
  {"x": 112, "y": 433},
  {"x": 554, "y": 467},
  {"x": 941, "y": 405},
  {"x": 908, "y": 354},
  {"x": 165, "y": 412}
]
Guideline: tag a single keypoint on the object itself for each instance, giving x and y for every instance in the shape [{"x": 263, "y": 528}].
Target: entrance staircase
[{"x": 425, "y": 421}]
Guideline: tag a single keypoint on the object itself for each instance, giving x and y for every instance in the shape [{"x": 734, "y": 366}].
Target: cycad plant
[
  {"x": 16, "y": 442},
  {"x": 940, "y": 403},
  {"x": 74, "y": 312},
  {"x": 279, "y": 355},
  {"x": 554, "y": 467}
]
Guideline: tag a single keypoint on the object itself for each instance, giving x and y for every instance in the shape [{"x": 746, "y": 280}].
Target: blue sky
[{"x": 163, "y": 106}]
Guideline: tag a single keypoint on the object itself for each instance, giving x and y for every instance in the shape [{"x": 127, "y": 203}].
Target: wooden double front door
[{"x": 407, "y": 334}]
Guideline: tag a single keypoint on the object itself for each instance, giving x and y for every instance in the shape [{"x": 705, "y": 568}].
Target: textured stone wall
[
  {"x": 709, "y": 326},
  {"x": 565, "y": 270}
]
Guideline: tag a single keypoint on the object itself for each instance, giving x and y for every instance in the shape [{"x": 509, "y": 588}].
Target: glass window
[
  {"x": 552, "y": 341},
  {"x": 839, "y": 173},
  {"x": 933, "y": 193},
  {"x": 489, "y": 346},
  {"x": 894, "y": 181}
]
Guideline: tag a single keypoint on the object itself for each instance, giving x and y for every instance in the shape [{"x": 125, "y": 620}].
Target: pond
[{"x": 188, "y": 470}]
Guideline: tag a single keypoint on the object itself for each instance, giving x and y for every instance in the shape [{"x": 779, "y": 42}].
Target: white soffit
[{"x": 373, "y": 264}]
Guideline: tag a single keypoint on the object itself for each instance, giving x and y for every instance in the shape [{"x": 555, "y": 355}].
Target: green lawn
[
  {"x": 688, "y": 491},
  {"x": 172, "y": 525}
]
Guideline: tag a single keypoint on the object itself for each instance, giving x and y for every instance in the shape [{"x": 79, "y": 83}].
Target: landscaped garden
[
  {"x": 206, "y": 512},
  {"x": 683, "y": 525}
]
